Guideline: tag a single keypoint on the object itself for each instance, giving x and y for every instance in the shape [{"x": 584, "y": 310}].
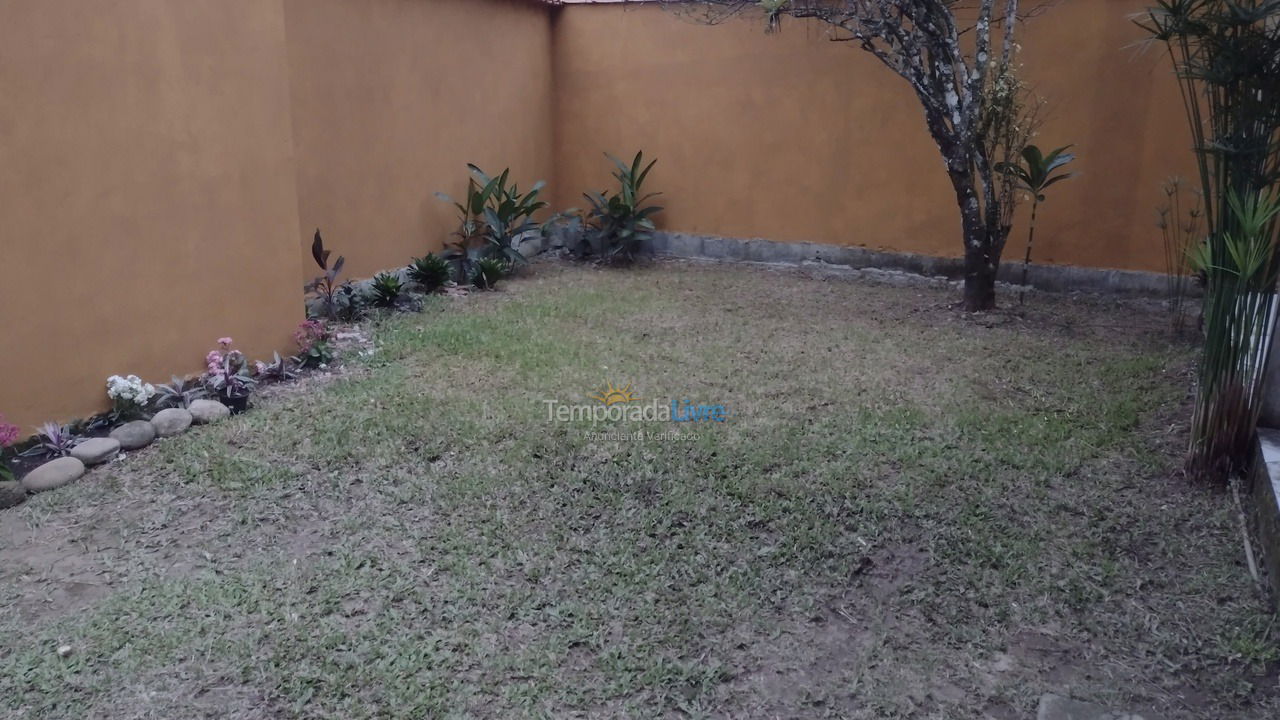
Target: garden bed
[{"x": 909, "y": 512}]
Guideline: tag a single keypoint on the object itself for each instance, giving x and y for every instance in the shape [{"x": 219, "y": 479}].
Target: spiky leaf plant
[
  {"x": 489, "y": 271},
  {"x": 430, "y": 272},
  {"x": 53, "y": 440},
  {"x": 385, "y": 289}
]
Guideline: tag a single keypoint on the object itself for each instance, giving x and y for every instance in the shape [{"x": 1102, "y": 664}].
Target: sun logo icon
[{"x": 611, "y": 395}]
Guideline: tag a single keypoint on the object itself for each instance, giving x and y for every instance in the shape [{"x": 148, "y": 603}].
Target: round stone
[
  {"x": 173, "y": 421},
  {"x": 96, "y": 451},
  {"x": 208, "y": 411},
  {"x": 11, "y": 493},
  {"x": 53, "y": 474},
  {"x": 134, "y": 435}
]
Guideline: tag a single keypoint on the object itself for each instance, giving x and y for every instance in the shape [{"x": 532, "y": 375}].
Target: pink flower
[
  {"x": 309, "y": 333},
  {"x": 8, "y": 433},
  {"x": 225, "y": 342}
]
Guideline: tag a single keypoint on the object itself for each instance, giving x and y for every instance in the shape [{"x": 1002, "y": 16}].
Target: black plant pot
[{"x": 236, "y": 404}]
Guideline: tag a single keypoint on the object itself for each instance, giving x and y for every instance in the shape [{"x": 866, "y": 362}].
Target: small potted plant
[
  {"x": 129, "y": 396},
  {"x": 227, "y": 376}
]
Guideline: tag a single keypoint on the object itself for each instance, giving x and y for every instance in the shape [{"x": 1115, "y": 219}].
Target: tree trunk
[
  {"x": 979, "y": 278},
  {"x": 982, "y": 246}
]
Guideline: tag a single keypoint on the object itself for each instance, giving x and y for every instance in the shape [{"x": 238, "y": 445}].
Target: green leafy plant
[
  {"x": 1033, "y": 177},
  {"x": 489, "y": 271},
  {"x": 386, "y": 290},
  {"x": 350, "y": 305},
  {"x": 430, "y": 272},
  {"x": 326, "y": 291},
  {"x": 492, "y": 217},
  {"x": 509, "y": 215},
  {"x": 617, "y": 224}
]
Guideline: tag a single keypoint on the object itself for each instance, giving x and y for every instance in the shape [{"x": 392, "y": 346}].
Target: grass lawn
[{"x": 910, "y": 513}]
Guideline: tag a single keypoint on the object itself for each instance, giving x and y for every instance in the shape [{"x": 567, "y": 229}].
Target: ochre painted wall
[
  {"x": 793, "y": 137},
  {"x": 147, "y": 191},
  {"x": 163, "y": 164},
  {"x": 391, "y": 100}
]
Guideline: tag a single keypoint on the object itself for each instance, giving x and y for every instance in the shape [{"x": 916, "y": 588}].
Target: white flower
[{"x": 130, "y": 389}]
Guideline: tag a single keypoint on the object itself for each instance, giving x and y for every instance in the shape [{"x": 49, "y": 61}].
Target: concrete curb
[
  {"x": 1264, "y": 487},
  {"x": 1051, "y": 278}
]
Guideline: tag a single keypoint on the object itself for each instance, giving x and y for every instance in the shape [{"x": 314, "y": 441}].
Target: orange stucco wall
[
  {"x": 391, "y": 100},
  {"x": 147, "y": 191},
  {"x": 163, "y": 164},
  {"x": 793, "y": 137}
]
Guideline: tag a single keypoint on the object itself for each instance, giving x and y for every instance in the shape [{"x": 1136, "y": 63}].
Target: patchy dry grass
[{"x": 912, "y": 513}]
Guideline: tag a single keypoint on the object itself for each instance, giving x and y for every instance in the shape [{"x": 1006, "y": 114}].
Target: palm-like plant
[{"x": 1034, "y": 177}]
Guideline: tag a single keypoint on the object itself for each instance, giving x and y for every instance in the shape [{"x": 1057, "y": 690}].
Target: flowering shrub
[
  {"x": 8, "y": 433},
  {"x": 129, "y": 395},
  {"x": 226, "y": 372},
  {"x": 314, "y": 349}
]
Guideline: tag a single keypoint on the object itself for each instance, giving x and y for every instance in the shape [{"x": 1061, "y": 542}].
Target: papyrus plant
[
  {"x": 1182, "y": 232},
  {"x": 1226, "y": 56},
  {"x": 1239, "y": 316}
]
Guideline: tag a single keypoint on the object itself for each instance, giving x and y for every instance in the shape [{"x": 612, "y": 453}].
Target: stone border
[
  {"x": 1264, "y": 486},
  {"x": 91, "y": 452},
  {"x": 1051, "y": 278}
]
